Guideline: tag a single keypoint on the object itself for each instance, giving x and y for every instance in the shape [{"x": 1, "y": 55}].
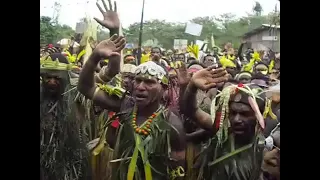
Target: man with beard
[
  {"x": 63, "y": 153},
  {"x": 147, "y": 130},
  {"x": 235, "y": 152}
]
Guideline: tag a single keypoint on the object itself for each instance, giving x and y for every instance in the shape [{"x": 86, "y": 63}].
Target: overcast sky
[{"x": 169, "y": 10}]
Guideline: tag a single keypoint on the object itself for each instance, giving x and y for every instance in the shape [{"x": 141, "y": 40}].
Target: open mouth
[
  {"x": 141, "y": 97},
  {"x": 238, "y": 130}
]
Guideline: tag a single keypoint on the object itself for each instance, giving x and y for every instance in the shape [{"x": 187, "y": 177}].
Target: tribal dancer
[
  {"x": 156, "y": 133},
  {"x": 195, "y": 135},
  {"x": 234, "y": 154},
  {"x": 244, "y": 77},
  {"x": 63, "y": 154},
  {"x": 100, "y": 158}
]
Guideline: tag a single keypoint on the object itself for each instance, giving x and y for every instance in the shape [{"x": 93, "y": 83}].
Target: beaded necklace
[{"x": 144, "y": 129}]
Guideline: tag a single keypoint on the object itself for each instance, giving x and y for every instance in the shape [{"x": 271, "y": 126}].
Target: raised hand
[
  {"x": 209, "y": 77},
  {"x": 110, "y": 47},
  {"x": 110, "y": 16},
  {"x": 183, "y": 75}
]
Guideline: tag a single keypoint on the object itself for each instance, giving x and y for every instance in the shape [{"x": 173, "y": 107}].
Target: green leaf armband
[
  {"x": 111, "y": 90},
  {"x": 175, "y": 173}
]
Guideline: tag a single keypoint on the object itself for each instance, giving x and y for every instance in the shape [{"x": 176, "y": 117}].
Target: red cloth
[
  {"x": 115, "y": 123},
  {"x": 217, "y": 121}
]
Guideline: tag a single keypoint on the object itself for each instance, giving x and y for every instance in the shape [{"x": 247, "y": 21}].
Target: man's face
[
  {"x": 155, "y": 54},
  {"x": 146, "y": 90},
  {"x": 127, "y": 79},
  {"x": 231, "y": 70},
  {"x": 262, "y": 69},
  {"x": 242, "y": 120},
  {"x": 180, "y": 58},
  {"x": 245, "y": 80},
  {"x": 51, "y": 83},
  {"x": 208, "y": 60}
]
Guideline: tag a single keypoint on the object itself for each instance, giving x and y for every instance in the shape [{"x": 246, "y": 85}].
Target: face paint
[
  {"x": 146, "y": 90},
  {"x": 148, "y": 82}
]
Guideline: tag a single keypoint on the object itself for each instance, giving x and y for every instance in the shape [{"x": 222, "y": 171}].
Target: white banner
[
  {"x": 193, "y": 29},
  {"x": 180, "y": 44}
]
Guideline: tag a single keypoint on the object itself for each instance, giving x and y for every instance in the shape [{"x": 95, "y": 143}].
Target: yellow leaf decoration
[
  {"x": 256, "y": 56},
  {"x": 226, "y": 62},
  {"x": 194, "y": 50}
]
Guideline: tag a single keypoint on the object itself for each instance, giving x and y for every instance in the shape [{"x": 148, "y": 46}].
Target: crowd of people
[{"x": 170, "y": 115}]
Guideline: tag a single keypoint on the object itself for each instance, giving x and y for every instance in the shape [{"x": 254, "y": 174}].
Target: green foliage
[
  {"x": 102, "y": 33},
  {"x": 51, "y": 33},
  {"x": 225, "y": 28}
]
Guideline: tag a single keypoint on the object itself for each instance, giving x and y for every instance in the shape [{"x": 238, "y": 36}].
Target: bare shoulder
[
  {"x": 175, "y": 121},
  {"x": 212, "y": 93},
  {"x": 177, "y": 133}
]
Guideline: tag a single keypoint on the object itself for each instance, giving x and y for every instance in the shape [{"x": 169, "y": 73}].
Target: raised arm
[
  {"x": 191, "y": 109},
  {"x": 183, "y": 80},
  {"x": 108, "y": 72},
  {"x": 204, "y": 80},
  {"x": 87, "y": 86},
  {"x": 110, "y": 17}
]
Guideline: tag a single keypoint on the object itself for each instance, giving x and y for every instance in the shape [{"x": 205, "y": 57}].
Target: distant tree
[
  {"x": 51, "y": 33},
  {"x": 257, "y": 8},
  {"x": 102, "y": 33},
  {"x": 225, "y": 28}
]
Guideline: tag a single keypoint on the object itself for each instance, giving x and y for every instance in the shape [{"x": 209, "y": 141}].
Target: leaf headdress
[{"x": 223, "y": 106}]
